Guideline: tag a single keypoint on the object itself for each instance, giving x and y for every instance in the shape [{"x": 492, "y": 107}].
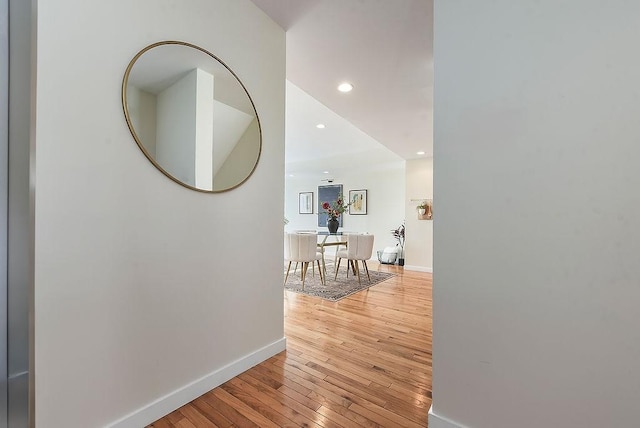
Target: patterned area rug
[{"x": 334, "y": 289}]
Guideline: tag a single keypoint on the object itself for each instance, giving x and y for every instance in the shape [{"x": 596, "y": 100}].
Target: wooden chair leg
[
  {"x": 335, "y": 255},
  {"x": 324, "y": 266},
  {"x": 323, "y": 278},
  {"x": 303, "y": 271},
  {"x": 351, "y": 268},
  {"x": 366, "y": 268},
  {"x": 355, "y": 262},
  {"x": 337, "y": 267},
  {"x": 287, "y": 275}
]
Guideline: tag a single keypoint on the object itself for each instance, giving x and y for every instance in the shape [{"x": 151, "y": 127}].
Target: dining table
[{"x": 340, "y": 239}]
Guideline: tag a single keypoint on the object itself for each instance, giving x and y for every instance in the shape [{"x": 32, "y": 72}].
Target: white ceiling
[
  {"x": 310, "y": 152},
  {"x": 382, "y": 47}
]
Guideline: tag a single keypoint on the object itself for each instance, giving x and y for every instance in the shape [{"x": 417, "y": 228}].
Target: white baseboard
[
  {"x": 167, "y": 404},
  {"x": 436, "y": 421},
  {"x": 418, "y": 268}
]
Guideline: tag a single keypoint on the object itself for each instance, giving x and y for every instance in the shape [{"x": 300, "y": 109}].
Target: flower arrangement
[
  {"x": 335, "y": 208},
  {"x": 425, "y": 209}
]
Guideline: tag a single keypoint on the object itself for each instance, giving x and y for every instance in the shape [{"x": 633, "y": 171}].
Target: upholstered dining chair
[
  {"x": 359, "y": 248},
  {"x": 305, "y": 231},
  {"x": 302, "y": 248}
]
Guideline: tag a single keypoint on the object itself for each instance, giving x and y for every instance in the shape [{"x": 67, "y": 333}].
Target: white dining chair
[
  {"x": 359, "y": 248},
  {"x": 307, "y": 231},
  {"x": 302, "y": 248}
]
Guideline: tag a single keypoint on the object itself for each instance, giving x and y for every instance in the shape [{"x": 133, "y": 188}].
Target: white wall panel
[
  {"x": 141, "y": 285},
  {"x": 536, "y": 239}
]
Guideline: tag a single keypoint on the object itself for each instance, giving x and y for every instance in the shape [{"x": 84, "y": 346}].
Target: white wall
[
  {"x": 536, "y": 238},
  {"x": 233, "y": 125},
  {"x": 389, "y": 203},
  {"x": 419, "y": 233},
  {"x": 204, "y": 130},
  {"x": 141, "y": 106},
  {"x": 385, "y": 203},
  {"x": 241, "y": 160},
  {"x": 141, "y": 285},
  {"x": 177, "y": 129}
]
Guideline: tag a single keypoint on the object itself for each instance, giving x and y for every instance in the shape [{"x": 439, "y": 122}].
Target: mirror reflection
[{"x": 191, "y": 116}]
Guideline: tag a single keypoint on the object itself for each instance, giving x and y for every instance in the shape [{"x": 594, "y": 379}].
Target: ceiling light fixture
[
  {"x": 325, "y": 172},
  {"x": 420, "y": 153},
  {"x": 320, "y": 126},
  {"x": 345, "y": 87}
]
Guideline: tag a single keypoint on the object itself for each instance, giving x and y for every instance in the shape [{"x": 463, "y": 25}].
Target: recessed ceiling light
[
  {"x": 325, "y": 172},
  {"x": 320, "y": 126},
  {"x": 420, "y": 153},
  {"x": 345, "y": 87}
]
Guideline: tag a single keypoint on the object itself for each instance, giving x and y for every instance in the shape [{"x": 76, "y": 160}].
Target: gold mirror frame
[{"x": 148, "y": 155}]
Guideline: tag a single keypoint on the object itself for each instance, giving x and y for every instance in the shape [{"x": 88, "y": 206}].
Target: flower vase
[
  {"x": 332, "y": 225},
  {"x": 401, "y": 257}
]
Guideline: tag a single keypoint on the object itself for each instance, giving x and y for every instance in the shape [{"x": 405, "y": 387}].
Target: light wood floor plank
[
  {"x": 210, "y": 413},
  {"x": 364, "y": 361},
  {"x": 196, "y": 417},
  {"x": 289, "y": 407},
  {"x": 236, "y": 416}
]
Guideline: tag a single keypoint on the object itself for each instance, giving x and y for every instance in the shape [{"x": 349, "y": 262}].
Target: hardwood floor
[{"x": 362, "y": 361}]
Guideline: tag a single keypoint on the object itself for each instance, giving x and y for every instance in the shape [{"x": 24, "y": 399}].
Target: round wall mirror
[{"x": 191, "y": 116}]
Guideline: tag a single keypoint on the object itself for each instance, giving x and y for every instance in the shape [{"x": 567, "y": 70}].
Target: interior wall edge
[
  {"x": 437, "y": 421},
  {"x": 4, "y": 151},
  {"x": 418, "y": 268},
  {"x": 170, "y": 402},
  {"x": 19, "y": 208}
]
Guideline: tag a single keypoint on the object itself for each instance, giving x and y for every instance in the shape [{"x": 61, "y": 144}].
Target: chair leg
[
  {"x": 323, "y": 278},
  {"x": 350, "y": 268},
  {"x": 337, "y": 267},
  {"x": 295, "y": 269},
  {"x": 287, "y": 275},
  {"x": 366, "y": 268},
  {"x": 303, "y": 271},
  {"x": 355, "y": 262}
]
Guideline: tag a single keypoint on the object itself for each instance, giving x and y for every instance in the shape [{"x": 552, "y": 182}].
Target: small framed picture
[
  {"x": 305, "y": 203},
  {"x": 358, "y": 202}
]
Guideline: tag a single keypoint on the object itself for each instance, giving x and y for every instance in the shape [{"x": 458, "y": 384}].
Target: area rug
[{"x": 334, "y": 290}]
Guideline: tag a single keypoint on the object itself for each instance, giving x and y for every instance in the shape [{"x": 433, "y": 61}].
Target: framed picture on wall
[
  {"x": 329, "y": 194},
  {"x": 358, "y": 201},
  {"x": 305, "y": 203}
]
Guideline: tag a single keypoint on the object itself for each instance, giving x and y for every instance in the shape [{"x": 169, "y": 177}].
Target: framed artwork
[
  {"x": 328, "y": 194},
  {"x": 305, "y": 203},
  {"x": 358, "y": 201}
]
